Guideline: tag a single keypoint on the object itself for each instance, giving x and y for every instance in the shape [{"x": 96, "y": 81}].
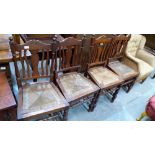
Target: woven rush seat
[
  {"x": 104, "y": 77},
  {"x": 39, "y": 98},
  {"x": 75, "y": 85},
  {"x": 122, "y": 70}
]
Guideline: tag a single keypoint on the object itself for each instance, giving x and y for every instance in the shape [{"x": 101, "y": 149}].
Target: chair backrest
[
  {"x": 24, "y": 37},
  {"x": 99, "y": 49},
  {"x": 118, "y": 46},
  {"x": 134, "y": 44},
  {"x": 41, "y": 37},
  {"x": 26, "y": 60},
  {"x": 68, "y": 53}
]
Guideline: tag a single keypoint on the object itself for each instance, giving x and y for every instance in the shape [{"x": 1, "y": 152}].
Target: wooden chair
[
  {"x": 38, "y": 99},
  {"x": 119, "y": 64},
  {"x": 76, "y": 88},
  {"x": 97, "y": 69}
]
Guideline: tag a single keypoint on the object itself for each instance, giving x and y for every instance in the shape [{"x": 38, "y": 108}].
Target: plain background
[{"x": 77, "y": 16}]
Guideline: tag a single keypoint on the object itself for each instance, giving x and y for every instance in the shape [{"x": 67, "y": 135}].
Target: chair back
[
  {"x": 118, "y": 46},
  {"x": 99, "y": 49},
  {"x": 26, "y": 60},
  {"x": 68, "y": 53}
]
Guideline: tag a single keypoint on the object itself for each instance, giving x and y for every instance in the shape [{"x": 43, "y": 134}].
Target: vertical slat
[
  {"x": 68, "y": 56},
  {"x": 99, "y": 52},
  {"x": 119, "y": 43},
  {"x": 55, "y": 58},
  {"x": 42, "y": 62},
  {"x": 124, "y": 44},
  {"x": 103, "y": 52},
  {"x": 74, "y": 55},
  {"x": 95, "y": 52},
  {"x": 47, "y": 60},
  {"x": 27, "y": 63},
  {"x": 107, "y": 49},
  {"x": 92, "y": 53},
  {"x": 92, "y": 48},
  {"x": 119, "y": 53},
  {"x": 22, "y": 63},
  {"x": 60, "y": 58},
  {"x": 35, "y": 62},
  {"x": 63, "y": 58},
  {"x": 53, "y": 63},
  {"x": 83, "y": 55},
  {"x": 78, "y": 55},
  {"x": 114, "y": 49}
]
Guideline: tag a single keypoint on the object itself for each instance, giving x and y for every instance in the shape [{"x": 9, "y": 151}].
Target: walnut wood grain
[{"x": 72, "y": 84}]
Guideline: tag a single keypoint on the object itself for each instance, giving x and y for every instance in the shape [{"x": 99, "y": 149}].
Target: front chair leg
[
  {"x": 128, "y": 87},
  {"x": 94, "y": 102},
  {"x": 131, "y": 85},
  {"x": 115, "y": 94},
  {"x": 142, "y": 116},
  {"x": 65, "y": 115}
]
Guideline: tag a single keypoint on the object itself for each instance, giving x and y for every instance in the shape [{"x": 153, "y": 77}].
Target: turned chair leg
[
  {"x": 129, "y": 86},
  {"x": 142, "y": 116},
  {"x": 94, "y": 102},
  {"x": 65, "y": 115},
  {"x": 115, "y": 94}
]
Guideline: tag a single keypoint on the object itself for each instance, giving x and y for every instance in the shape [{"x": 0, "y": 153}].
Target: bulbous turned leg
[
  {"x": 142, "y": 116},
  {"x": 129, "y": 87},
  {"x": 94, "y": 102},
  {"x": 115, "y": 94}
]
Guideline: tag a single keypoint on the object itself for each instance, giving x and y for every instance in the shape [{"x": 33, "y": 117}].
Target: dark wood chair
[
  {"x": 40, "y": 99},
  {"x": 117, "y": 63},
  {"x": 97, "y": 69},
  {"x": 76, "y": 88}
]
